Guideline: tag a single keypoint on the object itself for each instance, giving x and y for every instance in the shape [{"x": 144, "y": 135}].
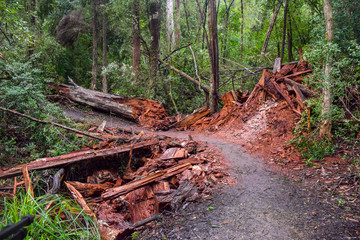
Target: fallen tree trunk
[
  {"x": 73, "y": 157},
  {"x": 145, "y": 111}
]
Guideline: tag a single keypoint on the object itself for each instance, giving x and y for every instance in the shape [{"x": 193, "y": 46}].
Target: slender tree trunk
[
  {"x": 227, "y": 14},
  {"x": 284, "y": 31},
  {"x": 326, "y": 125},
  {"x": 170, "y": 24},
  {"x": 186, "y": 16},
  {"x": 290, "y": 54},
  {"x": 95, "y": 29},
  {"x": 242, "y": 29},
  {"x": 104, "y": 47},
  {"x": 214, "y": 56},
  {"x": 155, "y": 27},
  {"x": 263, "y": 50},
  {"x": 177, "y": 21},
  {"x": 136, "y": 55}
]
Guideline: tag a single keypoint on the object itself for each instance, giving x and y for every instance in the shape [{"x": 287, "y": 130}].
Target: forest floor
[{"x": 267, "y": 199}]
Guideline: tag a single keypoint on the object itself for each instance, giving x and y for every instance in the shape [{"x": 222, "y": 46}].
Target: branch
[
  {"x": 176, "y": 51},
  {"x": 181, "y": 73},
  {"x": 342, "y": 100},
  {"x": 196, "y": 69},
  {"x": 52, "y": 123}
]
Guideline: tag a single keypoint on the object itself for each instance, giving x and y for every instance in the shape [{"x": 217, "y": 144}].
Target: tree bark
[
  {"x": 242, "y": 29},
  {"x": 136, "y": 55},
  {"x": 170, "y": 23},
  {"x": 95, "y": 29},
  {"x": 214, "y": 56},
  {"x": 104, "y": 47},
  {"x": 177, "y": 22},
  {"x": 290, "y": 54},
  {"x": 155, "y": 27},
  {"x": 263, "y": 50},
  {"x": 326, "y": 125},
  {"x": 284, "y": 31}
]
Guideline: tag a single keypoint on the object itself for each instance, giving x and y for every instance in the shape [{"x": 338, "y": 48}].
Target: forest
[{"x": 281, "y": 78}]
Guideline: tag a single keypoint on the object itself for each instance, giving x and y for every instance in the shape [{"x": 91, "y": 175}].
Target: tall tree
[
  {"x": 95, "y": 30},
  {"x": 170, "y": 23},
  {"x": 284, "y": 31},
  {"x": 214, "y": 56},
  {"x": 263, "y": 50},
  {"x": 155, "y": 27},
  {"x": 104, "y": 46},
  {"x": 326, "y": 125},
  {"x": 177, "y": 21},
  {"x": 226, "y": 23},
  {"x": 289, "y": 33},
  {"x": 242, "y": 29},
  {"x": 136, "y": 55}
]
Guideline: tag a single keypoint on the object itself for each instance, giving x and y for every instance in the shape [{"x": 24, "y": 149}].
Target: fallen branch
[
  {"x": 51, "y": 123},
  {"x": 346, "y": 108}
]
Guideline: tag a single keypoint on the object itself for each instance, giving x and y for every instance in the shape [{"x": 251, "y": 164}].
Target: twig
[
  {"x": 145, "y": 221},
  {"x": 247, "y": 69},
  {"x": 342, "y": 100},
  {"x": 176, "y": 51},
  {"x": 52, "y": 123}
]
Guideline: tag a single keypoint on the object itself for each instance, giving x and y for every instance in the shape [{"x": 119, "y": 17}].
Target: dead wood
[
  {"x": 145, "y": 221},
  {"x": 79, "y": 199},
  {"x": 295, "y": 74},
  {"x": 303, "y": 88},
  {"x": 192, "y": 118},
  {"x": 57, "y": 181},
  {"x": 90, "y": 189},
  {"x": 27, "y": 180},
  {"x": 74, "y": 157},
  {"x": 152, "y": 177},
  {"x": 52, "y": 123}
]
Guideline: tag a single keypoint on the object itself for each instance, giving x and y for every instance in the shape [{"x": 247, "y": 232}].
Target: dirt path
[{"x": 261, "y": 205}]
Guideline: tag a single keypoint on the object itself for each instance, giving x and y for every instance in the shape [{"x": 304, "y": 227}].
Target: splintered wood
[{"x": 171, "y": 172}]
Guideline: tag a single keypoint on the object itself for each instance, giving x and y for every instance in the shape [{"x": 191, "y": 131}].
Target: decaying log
[
  {"x": 192, "y": 118},
  {"x": 135, "y": 109},
  {"x": 300, "y": 98},
  {"x": 143, "y": 203},
  {"x": 277, "y": 65},
  {"x": 152, "y": 177},
  {"x": 284, "y": 95},
  {"x": 52, "y": 123},
  {"x": 74, "y": 157}
]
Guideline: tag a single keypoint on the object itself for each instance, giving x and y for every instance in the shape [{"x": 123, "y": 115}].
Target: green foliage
[{"x": 55, "y": 217}]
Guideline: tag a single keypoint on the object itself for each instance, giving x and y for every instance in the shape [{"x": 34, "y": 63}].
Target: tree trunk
[
  {"x": 242, "y": 29},
  {"x": 136, "y": 36},
  {"x": 104, "y": 47},
  {"x": 214, "y": 56},
  {"x": 155, "y": 27},
  {"x": 284, "y": 31},
  {"x": 263, "y": 50},
  {"x": 290, "y": 54},
  {"x": 170, "y": 23},
  {"x": 95, "y": 29},
  {"x": 177, "y": 22},
  {"x": 326, "y": 125},
  {"x": 226, "y": 29}
]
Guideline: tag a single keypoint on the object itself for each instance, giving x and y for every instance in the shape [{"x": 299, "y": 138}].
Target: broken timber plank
[
  {"x": 303, "y": 88},
  {"x": 299, "y": 96},
  {"x": 229, "y": 98},
  {"x": 285, "y": 96},
  {"x": 73, "y": 157},
  {"x": 192, "y": 118},
  {"x": 27, "y": 180},
  {"x": 294, "y": 75},
  {"x": 79, "y": 199},
  {"x": 152, "y": 177}
]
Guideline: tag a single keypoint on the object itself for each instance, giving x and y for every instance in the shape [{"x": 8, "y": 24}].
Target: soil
[{"x": 261, "y": 202}]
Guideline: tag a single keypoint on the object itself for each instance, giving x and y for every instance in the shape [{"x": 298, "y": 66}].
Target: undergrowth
[{"x": 55, "y": 217}]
